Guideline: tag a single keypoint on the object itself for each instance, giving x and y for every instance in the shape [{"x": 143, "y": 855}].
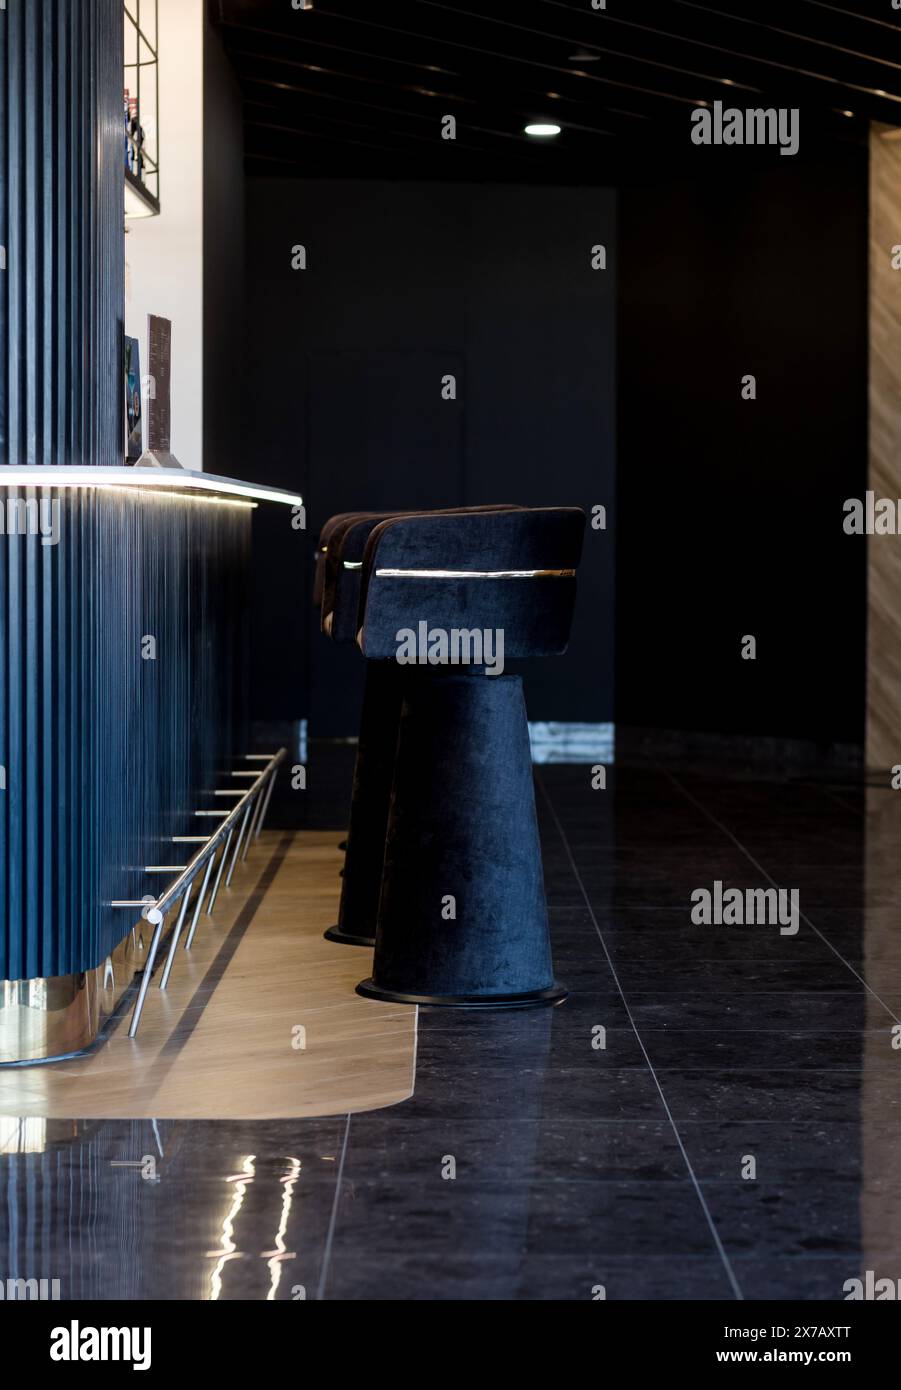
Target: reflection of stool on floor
[
  {"x": 342, "y": 544},
  {"x": 463, "y": 916}
]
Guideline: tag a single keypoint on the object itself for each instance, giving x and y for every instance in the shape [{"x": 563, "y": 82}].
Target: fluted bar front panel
[{"x": 122, "y": 708}]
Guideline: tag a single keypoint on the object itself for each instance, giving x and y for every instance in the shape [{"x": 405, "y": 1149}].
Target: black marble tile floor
[{"x": 714, "y": 1113}]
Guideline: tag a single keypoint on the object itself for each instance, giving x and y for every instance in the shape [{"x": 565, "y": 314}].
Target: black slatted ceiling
[{"x": 357, "y": 87}]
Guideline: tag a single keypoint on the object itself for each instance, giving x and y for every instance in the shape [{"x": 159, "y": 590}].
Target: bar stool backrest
[
  {"x": 344, "y": 565},
  {"x": 334, "y": 558},
  {"x": 512, "y": 571},
  {"x": 321, "y": 552}
]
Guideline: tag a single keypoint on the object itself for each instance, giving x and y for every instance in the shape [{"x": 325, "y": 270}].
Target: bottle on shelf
[
  {"x": 127, "y": 130},
  {"x": 136, "y": 139}
]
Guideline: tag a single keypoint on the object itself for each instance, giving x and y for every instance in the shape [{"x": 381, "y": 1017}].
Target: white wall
[{"x": 164, "y": 255}]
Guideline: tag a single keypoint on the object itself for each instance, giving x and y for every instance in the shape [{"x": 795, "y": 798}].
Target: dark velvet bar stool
[
  {"x": 463, "y": 916},
  {"x": 320, "y": 556},
  {"x": 338, "y": 576},
  {"x": 340, "y": 570}
]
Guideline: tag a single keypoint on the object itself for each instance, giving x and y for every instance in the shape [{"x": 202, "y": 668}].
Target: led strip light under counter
[{"x": 207, "y": 487}]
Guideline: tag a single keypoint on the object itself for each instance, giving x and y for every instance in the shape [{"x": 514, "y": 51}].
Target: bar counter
[{"x": 123, "y": 712}]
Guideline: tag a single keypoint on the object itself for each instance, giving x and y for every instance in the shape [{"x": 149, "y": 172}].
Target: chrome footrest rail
[{"x": 247, "y": 817}]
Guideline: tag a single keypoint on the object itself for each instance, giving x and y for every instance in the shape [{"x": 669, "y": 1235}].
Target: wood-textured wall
[{"x": 883, "y": 734}]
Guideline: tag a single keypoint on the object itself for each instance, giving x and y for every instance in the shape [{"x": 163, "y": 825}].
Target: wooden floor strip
[{"x": 260, "y": 1020}]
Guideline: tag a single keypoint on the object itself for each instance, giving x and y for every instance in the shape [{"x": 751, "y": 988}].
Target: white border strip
[
  {"x": 471, "y": 574},
  {"x": 554, "y": 742}
]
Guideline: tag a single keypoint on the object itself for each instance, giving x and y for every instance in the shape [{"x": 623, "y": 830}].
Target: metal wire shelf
[{"x": 141, "y": 70}]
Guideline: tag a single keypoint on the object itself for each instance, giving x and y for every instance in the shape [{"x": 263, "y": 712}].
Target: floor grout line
[
  {"x": 721, "y": 1249},
  {"x": 761, "y": 870},
  {"x": 858, "y": 812},
  {"x": 333, "y": 1217}
]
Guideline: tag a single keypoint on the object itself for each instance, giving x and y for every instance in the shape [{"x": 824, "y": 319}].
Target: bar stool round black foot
[
  {"x": 346, "y": 938},
  {"x": 533, "y": 998}
]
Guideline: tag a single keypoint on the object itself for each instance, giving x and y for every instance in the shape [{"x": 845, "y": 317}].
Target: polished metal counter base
[{"x": 44, "y": 1020}]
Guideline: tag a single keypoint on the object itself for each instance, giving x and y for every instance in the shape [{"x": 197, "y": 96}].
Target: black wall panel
[{"x": 730, "y": 510}]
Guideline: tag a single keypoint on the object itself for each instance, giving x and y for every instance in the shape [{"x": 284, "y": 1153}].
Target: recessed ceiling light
[
  {"x": 847, "y": 113},
  {"x": 583, "y": 56},
  {"x": 880, "y": 93},
  {"x": 727, "y": 82},
  {"x": 554, "y": 96},
  {"x": 702, "y": 103},
  {"x": 542, "y": 128}
]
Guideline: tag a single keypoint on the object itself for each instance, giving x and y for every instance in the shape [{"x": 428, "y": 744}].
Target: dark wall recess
[{"x": 730, "y": 510}]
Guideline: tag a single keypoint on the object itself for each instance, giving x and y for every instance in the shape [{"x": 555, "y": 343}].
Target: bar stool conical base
[
  {"x": 361, "y": 883},
  {"x": 463, "y": 916},
  {"x": 535, "y": 998}
]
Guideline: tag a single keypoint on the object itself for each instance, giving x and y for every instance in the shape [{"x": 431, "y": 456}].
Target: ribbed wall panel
[
  {"x": 61, "y": 222},
  {"x": 105, "y": 754}
]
